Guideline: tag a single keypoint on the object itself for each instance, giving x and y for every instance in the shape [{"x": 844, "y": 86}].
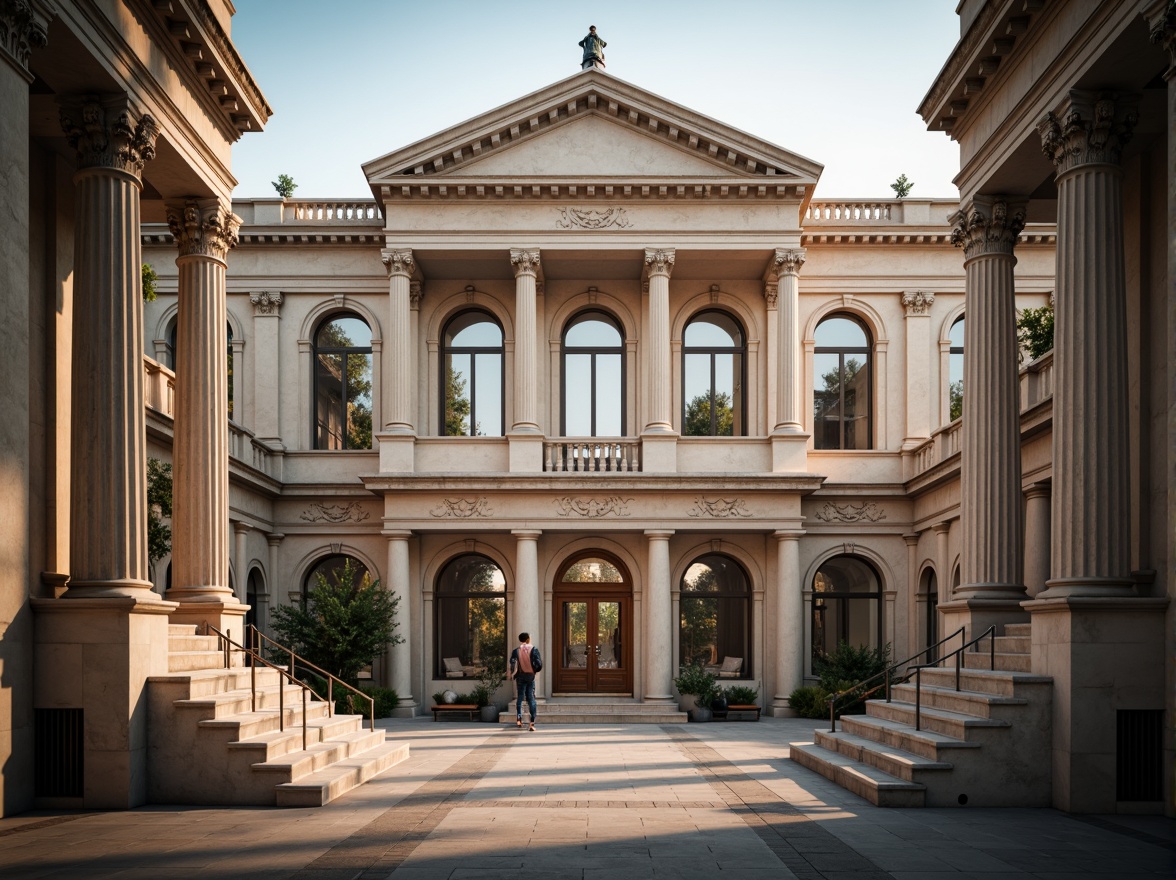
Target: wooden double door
[{"x": 594, "y": 640}]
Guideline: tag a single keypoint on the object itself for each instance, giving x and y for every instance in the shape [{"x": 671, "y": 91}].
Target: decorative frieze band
[
  {"x": 107, "y": 132},
  {"x": 202, "y": 227},
  {"x": 266, "y": 302},
  {"x": 588, "y": 219},
  {"x": 720, "y": 508},
  {"x": 462, "y": 508},
  {"x": 867, "y": 511},
  {"x": 398, "y": 262},
  {"x": 989, "y": 225},
  {"x": 1093, "y": 129},
  {"x": 917, "y": 302},
  {"x": 23, "y": 27},
  {"x": 525, "y": 261},
  {"x": 335, "y": 513},
  {"x": 593, "y": 508}
]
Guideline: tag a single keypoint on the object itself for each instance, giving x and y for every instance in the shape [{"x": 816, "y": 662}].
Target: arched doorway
[{"x": 593, "y": 627}]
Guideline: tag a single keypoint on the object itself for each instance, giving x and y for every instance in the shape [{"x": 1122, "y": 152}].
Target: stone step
[
  {"x": 1005, "y": 662},
  {"x": 952, "y": 724},
  {"x": 929, "y": 744},
  {"x": 196, "y": 683},
  {"x": 586, "y": 710},
  {"x": 897, "y": 762},
  {"x": 1006, "y": 683},
  {"x": 181, "y": 629},
  {"x": 180, "y": 644},
  {"x": 273, "y": 744},
  {"x": 876, "y": 786},
  {"x": 295, "y": 764},
  {"x": 229, "y": 703},
  {"x": 185, "y": 661},
  {"x": 324, "y": 786},
  {"x": 1023, "y": 630},
  {"x": 594, "y": 717},
  {"x": 247, "y": 725},
  {"x": 964, "y": 702},
  {"x": 1014, "y": 644}
]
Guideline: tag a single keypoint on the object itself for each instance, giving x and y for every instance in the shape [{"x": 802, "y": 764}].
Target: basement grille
[
  {"x": 1139, "y": 755},
  {"x": 58, "y": 755}
]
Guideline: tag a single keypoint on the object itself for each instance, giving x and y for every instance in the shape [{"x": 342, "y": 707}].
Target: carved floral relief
[
  {"x": 587, "y": 219},
  {"x": 335, "y": 513},
  {"x": 463, "y": 508},
  {"x": 613, "y": 505},
  {"x": 867, "y": 511},
  {"x": 720, "y": 508}
]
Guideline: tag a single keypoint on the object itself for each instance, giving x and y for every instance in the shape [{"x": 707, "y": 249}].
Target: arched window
[
  {"x": 252, "y": 591},
  {"x": 714, "y": 362},
  {"x": 955, "y": 370},
  {"x": 471, "y": 616},
  {"x": 172, "y": 361},
  {"x": 331, "y": 568},
  {"x": 593, "y": 377},
  {"x": 342, "y": 390},
  {"x": 472, "y": 376},
  {"x": 846, "y": 605},
  {"x": 714, "y": 615},
  {"x": 929, "y": 587},
  {"x": 842, "y": 382}
]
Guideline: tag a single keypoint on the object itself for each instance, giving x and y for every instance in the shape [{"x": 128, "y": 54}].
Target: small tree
[
  {"x": 955, "y": 396},
  {"x": 159, "y": 508},
  {"x": 346, "y": 624},
  {"x": 902, "y": 187},
  {"x": 149, "y": 279},
  {"x": 1035, "y": 332},
  {"x": 284, "y": 185}
]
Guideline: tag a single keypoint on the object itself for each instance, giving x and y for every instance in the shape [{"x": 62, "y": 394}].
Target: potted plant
[
  {"x": 697, "y": 687},
  {"x": 489, "y": 680}
]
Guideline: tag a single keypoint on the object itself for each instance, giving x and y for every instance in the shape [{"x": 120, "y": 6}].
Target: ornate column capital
[
  {"x": 416, "y": 292},
  {"x": 989, "y": 225},
  {"x": 917, "y": 302},
  {"x": 1161, "y": 23},
  {"x": 771, "y": 293},
  {"x": 525, "y": 261},
  {"x": 109, "y": 132},
  {"x": 786, "y": 262},
  {"x": 24, "y": 26},
  {"x": 658, "y": 262},
  {"x": 398, "y": 262},
  {"x": 202, "y": 227},
  {"x": 266, "y": 302},
  {"x": 1092, "y": 129}
]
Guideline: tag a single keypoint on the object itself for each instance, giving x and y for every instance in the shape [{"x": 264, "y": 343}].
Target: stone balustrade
[
  {"x": 591, "y": 454},
  {"x": 846, "y": 212},
  {"x": 932, "y": 213},
  {"x": 298, "y": 211},
  {"x": 159, "y": 387},
  {"x": 1037, "y": 381}
]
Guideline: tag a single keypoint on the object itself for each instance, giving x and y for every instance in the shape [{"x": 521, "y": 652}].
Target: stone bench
[
  {"x": 455, "y": 708},
  {"x": 743, "y": 712}
]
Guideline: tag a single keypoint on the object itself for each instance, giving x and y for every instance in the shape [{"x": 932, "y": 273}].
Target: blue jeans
[{"x": 526, "y": 689}]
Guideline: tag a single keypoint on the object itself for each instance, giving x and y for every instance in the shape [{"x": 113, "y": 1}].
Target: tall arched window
[
  {"x": 342, "y": 390},
  {"x": 955, "y": 370},
  {"x": 470, "y": 616},
  {"x": 841, "y": 384},
  {"x": 172, "y": 359},
  {"x": 471, "y": 376},
  {"x": 593, "y": 376},
  {"x": 714, "y": 615},
  {"x": 929, "y": 587},
  {"x": 714, "y": 361},
  {"x": 846, "y": 605},
  {"x": 331, "y": 568}
]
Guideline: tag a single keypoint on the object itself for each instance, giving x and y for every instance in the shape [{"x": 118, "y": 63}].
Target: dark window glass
[
  {"x": 343, "y": 384},
  {"x": 331, "y": 567},
  {"x": 472, "y": 376},
  {"x": 171, "y": 360},
  {"x": 470, "y": 616},
  {"x": 846, "y": 605},
  {"x": 593, "y": 377},
  {"x": 713, "y": 360},
  {"x": 842, "y": 383},
  {"x": 714, "y": 614},
  {"x": 955, "y": 374}
]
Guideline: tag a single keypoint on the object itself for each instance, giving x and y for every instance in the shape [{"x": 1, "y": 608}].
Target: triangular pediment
[{"x": 592, "y": 128}]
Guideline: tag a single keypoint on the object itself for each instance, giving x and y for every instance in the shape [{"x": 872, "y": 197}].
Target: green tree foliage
[
  {"x": 159, "y": 508},
  {"x": 1035, "y": 332},
  {"x": 457, "y": 405},
  {"x": 902, "y": 187},
  {"x": 842, "y": 669},
  {"x": 284, "y": 185},
  {"x": 810, "y": 702},
  {"x": 149, "y": 279},
  {"x": 955, "y": 396},
  {"x": 346, "y": 624},
  {"x": 699, "y": 422},
  {"x": 359, "y": 386},
  {"x": 695, "y": 680}
]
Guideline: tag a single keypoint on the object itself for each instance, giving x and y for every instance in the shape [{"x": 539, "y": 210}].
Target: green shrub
[
  {"x": 695, "y": 680},
  {"x": 741, "y": 694},
  {"x": 1035, "y": 332},
  {"x": 810, "y": 702},
  {"x": 849, "y": 664},
  {"x": 386, "y": 700}
]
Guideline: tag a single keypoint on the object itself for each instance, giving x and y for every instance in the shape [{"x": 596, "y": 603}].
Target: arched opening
[
  {"x": 714, "y": 364},
  {"x": 342, "y": 391},
  {"x": 846, "y": 605},
  {"x": 843, "y": 380},
  {"x": 472, "y": 390},
  {"x": 714, "y": 616},
  {"x": 470, "y": 610},
  {"x": 593, "y": 626}
]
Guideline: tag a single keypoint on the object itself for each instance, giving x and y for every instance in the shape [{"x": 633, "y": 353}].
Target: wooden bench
[
  {"x": 743, "y": 712},
  {"x": 468, "y": 708}
]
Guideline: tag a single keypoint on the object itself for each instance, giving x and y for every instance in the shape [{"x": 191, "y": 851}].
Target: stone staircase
[
  {"x": 208, "y": 744},
  {"x": 598, "y": 710},
  {"x": 986, "y": 745}
]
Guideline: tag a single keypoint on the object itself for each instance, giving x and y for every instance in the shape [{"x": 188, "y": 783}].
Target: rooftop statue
[{"x": 593, "y": 47}]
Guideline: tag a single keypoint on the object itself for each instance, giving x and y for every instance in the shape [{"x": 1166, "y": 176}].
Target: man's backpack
[{"x": 536, "y": 660}]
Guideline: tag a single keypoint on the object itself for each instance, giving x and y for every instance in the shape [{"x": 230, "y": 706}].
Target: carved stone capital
[
  {"x": 24, "y": 26},
  {"x": 266, "y": 302},
  {"x": 988, "y": 225},
  {"x": 771, "y": 293},
  {"x": 786, "y": 262},
  {"x": 917, "y": 302},
  {"x": 202, "y": 227},
  {"x": 658, "y": 262},
  {"x": 1161, "y": 23},
  {"x": 1092, "y": 128},
  {"x": 525, "y": 261},
  {"x": 398, "y": 263},
  {"x": 108, "y": 132}
]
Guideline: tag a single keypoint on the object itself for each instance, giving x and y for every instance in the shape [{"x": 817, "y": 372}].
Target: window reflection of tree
[
  {"x": 471, "y": 361},
  {"x": 713, "y": 357},
  {"x": 343, "y": 384},
  {"x": 471, "y": 611},
  {"x": 846, "y": 605},
  {"x": 955, "y": 388},
  {"x": 714, "y": 613},
  {"x": 841, "y": 392}
]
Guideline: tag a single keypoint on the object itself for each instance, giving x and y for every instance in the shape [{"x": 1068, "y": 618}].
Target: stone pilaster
[
  {"x": 526, "y": 379},
  {"x": 204, "y": 230},
  {"x": 917, "y": 309},
  {"x": 942, "y": 532},
  {"x": 526, "y": 597},
  {"x": 398, "y": 404},
  {"x": 1037, "y": 538},
  {"x": 1090, "y": 549},
  {"x": 789, "y": 620},
  {"x": 658, "y": 266},
  {"x": 398, "y": 657},
  {"x": 241, "y": 532},
  {"x": 990, "y": 469},
  {"x": 785, "y": 272},
  {"x": 274, "y": 541},
  {"x": 267, "y": 412},
  {"x": 658, "y": 611}
]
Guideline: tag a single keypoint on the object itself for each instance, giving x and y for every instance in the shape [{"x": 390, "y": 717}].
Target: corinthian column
[
  {"x": 789, "y": 620},
  {"x": 785, "y": 272},
  {"x": 108, "y": 500},
  {"x": 990, "y": 467},
  {"x": 659, "y": 623},
  {"x": 526, "y": 379},
  {"x": 399, "y": 656},
  {"x": 204, "y": 230},
  {"x": 526, "y": 594},
  {"x": 398, "y": 410},
  {"x": 658, "y": 266},
  {"x": 1090, "y": 539}
]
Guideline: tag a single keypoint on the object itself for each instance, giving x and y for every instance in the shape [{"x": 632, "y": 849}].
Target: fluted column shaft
[
  {"x": 659, "y": 623},
  {"x": 942, "y": 532},
  {"x": 526, "y": 377},
  {"x": 204, "y": 231},
  {"x": 990, "y": 466},
  {"x": 396, "y": 581},
  {"x": 526, "y": 594},
  {"x": 272, "y": 581},
  {"x": 241, "y": 531},
  {"x": 1037, "y": 537},
  {"x": 789, "y": 617},
  {"x": 659, "y": 409},
  {"x": 398, "y": 408},
  {"x": 108, "y": 498},
  {"x": 786, "y": 269},
  {"x": 1090, "y": 553}
]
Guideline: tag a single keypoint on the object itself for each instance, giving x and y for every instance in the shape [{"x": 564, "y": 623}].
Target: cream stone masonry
[
  {"x": 526, "y": 355},
  {"x": 267, "y": 418},
  {"x": 527, "y": 590},
  {"x": 656, "y": 275},
  {"x": 789, "y": 620},
  {"x": 657, "y": 608},
  {"x": 399, "y": 656},
  {"x": 917, "y": 306},
  {"x": 785, "y": 273},
  {"x": 399, "y": 404}
]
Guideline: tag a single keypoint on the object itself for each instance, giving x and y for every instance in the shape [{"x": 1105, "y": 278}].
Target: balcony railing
[
  {"x": 333, "y": 212},
  {"x": 592, "y": 454},
  {"x": 847, "y": 212}
]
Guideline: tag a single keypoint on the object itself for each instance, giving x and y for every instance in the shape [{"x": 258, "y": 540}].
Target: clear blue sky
[{"x": 838, "y": 82}]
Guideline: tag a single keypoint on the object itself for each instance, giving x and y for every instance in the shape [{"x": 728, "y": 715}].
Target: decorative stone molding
[
  {"x": 658, "y": 262},
  {"x": 917, "y": 302},
  {"x": 525, "y": 261},
  {"x": 786, "y": 262},
  {"x": 867, "y": 511},
  {"x": 416, "y": 292},
  {"x": 771, "y": 293},
  {"x": 334, "y": 513},
  {"x": 593, "y": 508},
  {"x": 988, "y": 226},
  {"x": 588, "y": 219},
  {"x": 202, "y": 228},
  {"x": 463, "y": 508},
  {"x": 107, "y": 132},
  {"x": 1093, "y": 129},
  {"x": 720, "y": 508},
  {"x": 266, "y": 302},
  {"x": 398, "y": 262},
  {"x": 24, "y": 26}
]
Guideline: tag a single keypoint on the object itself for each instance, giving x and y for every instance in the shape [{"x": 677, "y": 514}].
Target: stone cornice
[
  {"x": 107, "y": 131},
  {"x": 989, "y": 225},
  {"x": 24, "y": 26},
  {"x": 1091, "y": 128},
  {"x": 202, "y": 227},
  {"x": 923, "y": 239},
  {"x": 547, "y": 190}
]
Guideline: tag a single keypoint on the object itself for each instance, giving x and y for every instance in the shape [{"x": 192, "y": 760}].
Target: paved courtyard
[{"x": 609, "y": 802}]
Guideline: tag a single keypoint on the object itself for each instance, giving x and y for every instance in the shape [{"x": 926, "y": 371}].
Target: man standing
[
  {"x": 593, "y": 48},
  {"x": 525, "y": 664}
]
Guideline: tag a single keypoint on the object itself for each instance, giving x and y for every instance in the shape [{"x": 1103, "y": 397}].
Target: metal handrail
[
  {"x": 258, "y": 635},
  {"x": 888, "y": 673},
  {"x": 958, "y": 654}
]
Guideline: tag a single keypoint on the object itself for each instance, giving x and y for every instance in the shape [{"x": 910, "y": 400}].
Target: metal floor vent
[
  {"x": 1139, "y": 759},
  {"x": 58, "y": 756}
]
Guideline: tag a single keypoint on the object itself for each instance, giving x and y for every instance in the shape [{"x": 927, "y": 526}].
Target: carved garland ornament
[
  {"x": 335, "y": 513},
  {"x": 1093, "y": 129},
  {"x": 720, "y": 508},
  {"x": 202, "y": 228},
  {"x": 851, "y": 513},
  {"x": 108, "y": 133},
  {"x": 462, "y": 508},
  {"x": 593, "y": 508},
  {"x": 586, "y": 219}
]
